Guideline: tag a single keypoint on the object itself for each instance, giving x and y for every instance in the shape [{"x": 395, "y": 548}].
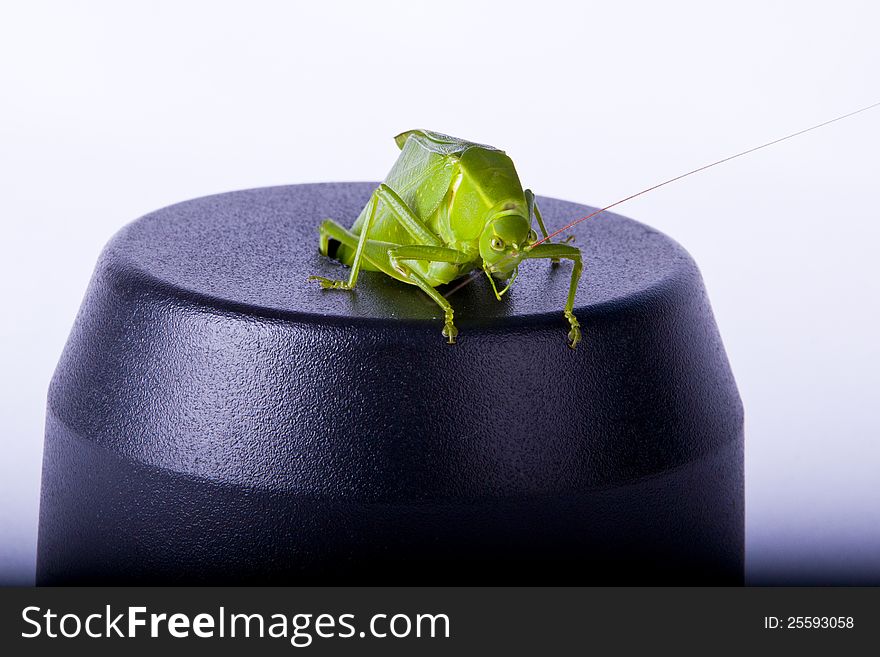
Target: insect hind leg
[
  {"x": 332, "y": 236},
  {"x": 374, "y": 254},
  {"x": 331, "y": 229},
  {"x": 327, "y": 246}
]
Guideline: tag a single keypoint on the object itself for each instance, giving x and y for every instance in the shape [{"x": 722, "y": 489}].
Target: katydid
[{"x": 449, "y": 207}]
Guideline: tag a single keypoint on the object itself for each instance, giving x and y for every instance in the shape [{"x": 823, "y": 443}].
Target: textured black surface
[{"x": 214, "y": 417}]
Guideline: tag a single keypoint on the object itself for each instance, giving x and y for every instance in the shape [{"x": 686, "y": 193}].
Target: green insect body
[{"x": 447, "y": 208}]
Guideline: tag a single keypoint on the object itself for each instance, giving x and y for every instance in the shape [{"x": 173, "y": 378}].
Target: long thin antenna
[
  {"x": 472, "y": 276},
  {"x": 703, "y": 168}
]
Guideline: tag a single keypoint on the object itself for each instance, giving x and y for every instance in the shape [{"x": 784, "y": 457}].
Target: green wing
[
  {"x": 428, "y": 162},
  {"x": 422, "y": 176},
  {"x": 439, "y": 143}
]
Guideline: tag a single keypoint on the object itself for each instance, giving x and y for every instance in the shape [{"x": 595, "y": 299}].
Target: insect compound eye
[
  {"x": 497, "y": 243},
  {"x": 533, "y": 237}
]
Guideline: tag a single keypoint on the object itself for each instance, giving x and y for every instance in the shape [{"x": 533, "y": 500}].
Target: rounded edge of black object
[{"x": 216, "y": 419}]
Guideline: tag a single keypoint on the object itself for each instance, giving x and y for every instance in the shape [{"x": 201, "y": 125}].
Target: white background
[{"x": 110, "y": 110}]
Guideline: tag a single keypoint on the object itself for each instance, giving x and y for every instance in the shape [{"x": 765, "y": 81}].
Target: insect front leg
[
  {"x": 569, "y": 253},
  {"x": 532, "y": 205},
  {"x": 398, "y": 256},
  {"x": 330, "y": 229}
]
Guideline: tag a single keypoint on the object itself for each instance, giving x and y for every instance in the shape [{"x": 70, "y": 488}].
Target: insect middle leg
[
  {"x": 390, "y": 259},
  {"x": 397, "y": 258},
  {"x": 569, "y": 253}
]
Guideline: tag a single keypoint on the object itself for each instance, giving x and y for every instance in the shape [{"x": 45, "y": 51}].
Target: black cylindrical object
[{"x": 216, "y": 418}]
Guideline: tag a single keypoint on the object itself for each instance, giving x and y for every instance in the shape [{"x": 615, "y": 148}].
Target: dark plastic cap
[{"x": 217, "y": 418}]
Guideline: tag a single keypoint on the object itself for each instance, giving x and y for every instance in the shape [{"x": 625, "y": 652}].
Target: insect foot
[
  {"x": 329, "y": 283},
  {"x": 449, "y": 330},
  {"x": 574, "y": 335}
]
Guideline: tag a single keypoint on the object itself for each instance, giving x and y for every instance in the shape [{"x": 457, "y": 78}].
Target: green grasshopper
[
  {"x": 450, "y": 207},
  {"x": 447, "y": 208}
]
